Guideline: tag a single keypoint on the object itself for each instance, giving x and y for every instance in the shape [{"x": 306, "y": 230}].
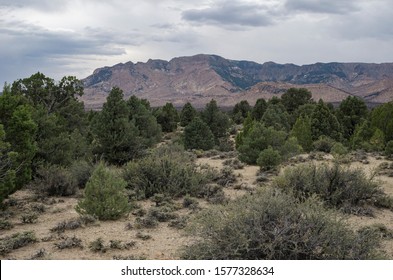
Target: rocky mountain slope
[{"x": 200, "y": 78}]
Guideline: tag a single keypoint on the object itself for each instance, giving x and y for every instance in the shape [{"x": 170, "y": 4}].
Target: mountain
[{"x": 200, "y": 78}]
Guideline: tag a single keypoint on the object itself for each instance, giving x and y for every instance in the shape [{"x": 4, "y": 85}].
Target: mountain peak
[{"x": 201, "y": 77}]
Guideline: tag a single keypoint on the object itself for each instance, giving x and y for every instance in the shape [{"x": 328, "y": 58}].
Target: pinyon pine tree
[{"x": 104, "y": 195}]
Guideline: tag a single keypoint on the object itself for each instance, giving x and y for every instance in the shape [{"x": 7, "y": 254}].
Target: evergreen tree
[
  {"x": 216, "y": 120},
  {"x": 350, "y": 113},
  {"x": 324, "y": 122},
  {"x": 20, "y": 131},
  {"x": 197, "y": 135},
  {"x": 167, "y": 117},
  {"x": 382, "y": 118},
  {"x": 276, "y": 116},
  {"x": 302, "y": 131},
  {"x": 258, "y": 138},
  {"x": 7, "y": 167},
  {"x": 44, "y": 91},
  {"x": 293, "y": 98},
  {"x": 362, "y": 135},
  {"x": 116, "y": 136},
  {"x": 377, "y": 141},
  {"x": 240, "y": 111},
  {"x": 57, "y": 113},
  {"x": 247, "y": 125},
  {"x": 104, "y": 195},
  {"x": 188, "y": 113},
  {"x": 259, "y": 109},
  {"x": 145, "y": 121}
]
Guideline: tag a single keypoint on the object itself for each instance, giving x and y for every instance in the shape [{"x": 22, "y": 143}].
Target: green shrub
[
  {"x": 162, "y": 214},
  {"x": 81, "y": 171},
  {"x": 197, "y": 135},
  {"x": 274, "y": 226},
  {"x": 290, "y": 148},
  {"x": 104, "y": 195},
  {"x": 168, "y": 171},
  {"x": 389, "y": 149},
  {"x": 16, "y": 241},
  {"x": 269, "y": 159},
  {"x": 324, "y": 144},
  {"x": 339, "y": 149},
  {"x": 339, "y": 187},
  {"x": 190, "y": 202},
  {"x": 97, "y": 245},
  {"x": 55, "y": 181},
  {"x": 5, "y": 224}
]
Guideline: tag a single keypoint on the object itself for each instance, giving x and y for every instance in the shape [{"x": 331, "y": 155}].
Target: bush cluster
[
  {"x": 55, "y": 180},
  {"x": 275, "y": 226},
  {"x": 167, "y": 170},
  {"x": 15, "y": 241},
  {"x": 340, "y": 187}
]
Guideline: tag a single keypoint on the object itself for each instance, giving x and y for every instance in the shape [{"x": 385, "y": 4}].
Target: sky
[{"x": 62, "y": 37}]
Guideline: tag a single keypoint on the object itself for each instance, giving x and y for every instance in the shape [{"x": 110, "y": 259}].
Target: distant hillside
[{"x": 200, "y": 78}]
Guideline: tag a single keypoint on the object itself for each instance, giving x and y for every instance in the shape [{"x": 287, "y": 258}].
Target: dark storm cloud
[
  {"x": 322, "y": 6},
  {"x": 230, "y": 13}
]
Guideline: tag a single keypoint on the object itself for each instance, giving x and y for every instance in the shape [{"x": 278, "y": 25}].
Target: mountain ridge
[{"x": 199, "y": 78}]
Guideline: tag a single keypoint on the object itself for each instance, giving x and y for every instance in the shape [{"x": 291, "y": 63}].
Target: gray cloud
[
  {"x": 61, "y": 37},
  {"x": 230, "y": 13},
  {"x": 35, "y": 4},
  {"x": 323, "y": 6}
]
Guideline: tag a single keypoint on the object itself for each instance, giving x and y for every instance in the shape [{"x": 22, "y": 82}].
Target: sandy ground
[{"x": 165, "y": 241}]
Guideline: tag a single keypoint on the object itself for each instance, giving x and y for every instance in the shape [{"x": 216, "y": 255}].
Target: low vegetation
[
  {"x": 275, "y": 226},
  {"x": 16, "y": 241},
  {"x": 339, "y": 187},
  {"x": 167, "y": 170}
]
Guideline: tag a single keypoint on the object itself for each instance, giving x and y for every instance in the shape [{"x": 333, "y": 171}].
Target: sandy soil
[{"x": 165, "y": 241}]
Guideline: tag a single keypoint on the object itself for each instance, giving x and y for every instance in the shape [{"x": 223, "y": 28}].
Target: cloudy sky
[{"x": 61, "y": 37}]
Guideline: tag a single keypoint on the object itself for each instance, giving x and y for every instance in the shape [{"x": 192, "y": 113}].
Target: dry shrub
[
  {"x": 213, "y": 193},
  {"x": 162, "y": 213},
  {"x": 69, "y": 242},
  {"x": 143, "y": 236},
  {"x": 349, "y": 190},
  {"x": 55, "y": 180},
  {"x": 5, "y": 224},
  {"x": 234, "y": 163},
  {"x": 179, "y": 222},
  {"x": 168, "y": 171},
  {"x": 39, "y": 255},
  {"x": 225, "y": 177},
  {"x": 29, "y": 218},
  {"x": 81, "y": 171},
  {"x": 273, "y": 225},
  {"x": 16, "y": 241},
  {"x": 83, "y": 220}
]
